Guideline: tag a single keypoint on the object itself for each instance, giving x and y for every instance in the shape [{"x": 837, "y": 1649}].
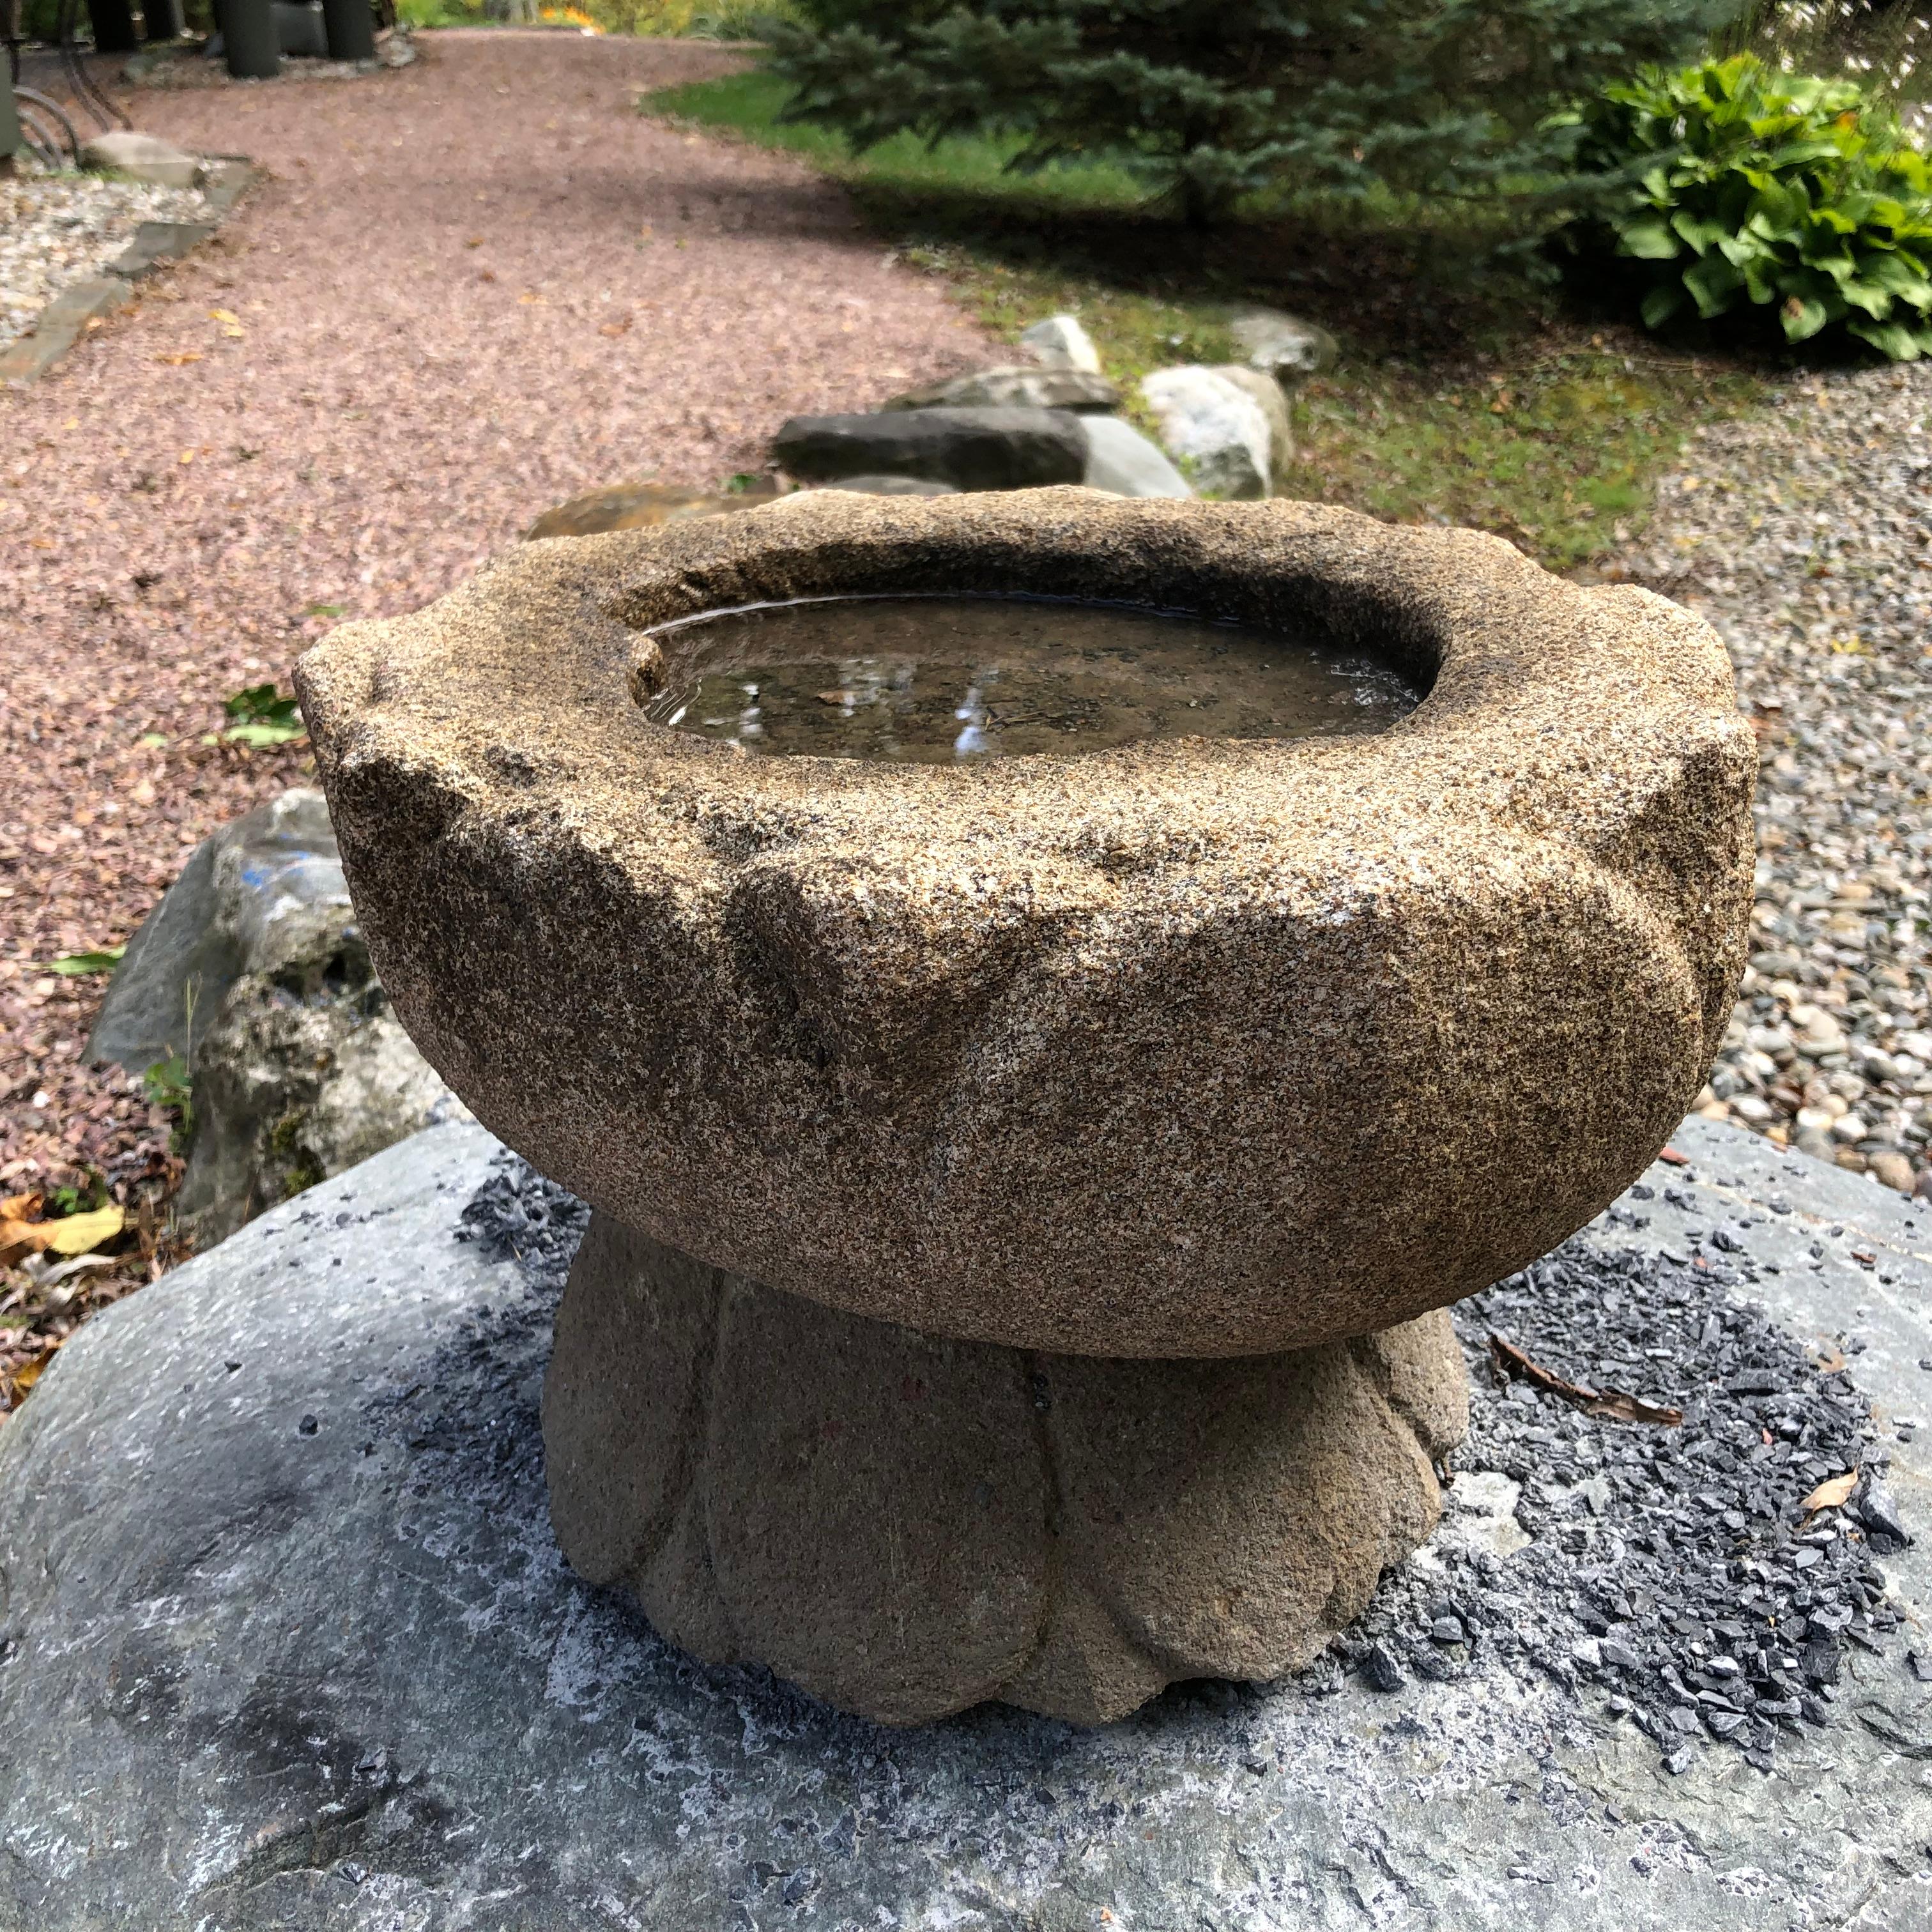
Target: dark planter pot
[
  {"x": 351, "y": 29},
  {"x": 250, "y": 39},
  {"x": 113, "y": 24}
]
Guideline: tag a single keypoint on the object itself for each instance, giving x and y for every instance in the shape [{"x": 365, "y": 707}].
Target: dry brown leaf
[
  {"x": 71, "y": 1235},
  {"x": 28, "y": 1373},
  {"x": 1833, "y": 1495},
  {"x": 1613, "y": 1404},
  {"x": 622, "y": 328},
  {"x": 1616, "y": 1405},
  {"x": 82, "y": 1234}
]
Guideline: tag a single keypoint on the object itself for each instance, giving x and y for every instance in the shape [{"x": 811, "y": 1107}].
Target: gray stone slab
[
  {"x": 971, "y": 448},
  {"x": 158, "y": 244},
  {"x": 59, "y": 326},
  {"x": 225, "y": 179},
  {"x": 287, "y": 1642}
]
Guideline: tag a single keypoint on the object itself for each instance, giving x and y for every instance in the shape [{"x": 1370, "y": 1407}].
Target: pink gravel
[{"x": 471, "y": 289}]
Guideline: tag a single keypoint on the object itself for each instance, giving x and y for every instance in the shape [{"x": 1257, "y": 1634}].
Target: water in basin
[{"x": 936, "y": 679}]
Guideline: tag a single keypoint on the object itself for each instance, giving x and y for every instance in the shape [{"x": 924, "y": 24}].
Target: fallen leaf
[
  {"x": 1833, "y": 1495},
  {"x": 1616, "y": 1405},
  {"x": 72, "y": 965},
  {"x": 1612, "y": 1405},
  {"x": 1671, "y": 1157},
  {"x": 28, "y": 1373},
  {"x": 838, "y": 696},
  {"x": 475, "y": 241},
  {"x": 231, "y": 322},
  {"x": 616, "y": 327},
  {"x": 186, "y": 456},
  {"x": 82, "y": 1234},
  {"x": 71, "y": 1235},
  {"x": 182, "y": 356}
]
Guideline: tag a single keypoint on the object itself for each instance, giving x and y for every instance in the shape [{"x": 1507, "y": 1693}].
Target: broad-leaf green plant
[
  {"x": 262, "y": 717},
  {"x": 1728, "y": 184}
]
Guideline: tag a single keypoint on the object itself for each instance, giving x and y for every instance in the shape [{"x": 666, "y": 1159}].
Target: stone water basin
[{"x": 1182, "y": 1046}]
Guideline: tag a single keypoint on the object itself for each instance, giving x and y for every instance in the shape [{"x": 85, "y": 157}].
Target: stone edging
[{"x": 83, "y": 305}]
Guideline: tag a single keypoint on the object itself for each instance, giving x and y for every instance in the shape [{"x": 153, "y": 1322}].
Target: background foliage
[
  {"x": 1796, "y": 195},
  {"x": 1212, "y": 103}
]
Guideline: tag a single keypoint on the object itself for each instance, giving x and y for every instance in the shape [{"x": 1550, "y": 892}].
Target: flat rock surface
[{"x": 285, "y": 1625}]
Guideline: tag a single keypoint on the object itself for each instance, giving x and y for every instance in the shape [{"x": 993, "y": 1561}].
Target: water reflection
[{"x": 940, "y": 679}]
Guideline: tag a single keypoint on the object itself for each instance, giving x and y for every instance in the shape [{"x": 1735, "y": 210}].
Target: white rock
[
  {"x": 1122, "y": 460},
  {"x": 141, "y": 156},
  {"x": 1481, "y": 1517},
  {"x": 1215, "y": 425},
  {"x": 1282, "y": 346},
  {"x": 1273, "y": 400},
  {"x": 1060, "y": 342}
]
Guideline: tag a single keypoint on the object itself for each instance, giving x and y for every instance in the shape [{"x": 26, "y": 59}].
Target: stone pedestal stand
[{"x": 904, "y": 1525}]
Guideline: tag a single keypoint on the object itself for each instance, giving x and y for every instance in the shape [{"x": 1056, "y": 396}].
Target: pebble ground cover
[
  {"x": 1803, "y": 534},
  {"x": 56, "y": 229}
]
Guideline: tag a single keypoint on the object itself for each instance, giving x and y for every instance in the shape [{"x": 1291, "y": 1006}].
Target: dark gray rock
[
  {"x": 1015, "y": 387},
  {"x": 291, "y": 1646},
  {"x": 218, "y": 920},
  {"x": 304, "y": 1072},
  {"x": 252, "y": 970},
  {"x": 972, "y": 449}
]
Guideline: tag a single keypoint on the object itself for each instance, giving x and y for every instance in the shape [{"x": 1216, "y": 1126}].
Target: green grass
[{"x": 1468, "y": 392}]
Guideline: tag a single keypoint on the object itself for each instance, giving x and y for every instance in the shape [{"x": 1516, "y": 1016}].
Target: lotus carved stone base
[{"x": 904, "y": 1524}]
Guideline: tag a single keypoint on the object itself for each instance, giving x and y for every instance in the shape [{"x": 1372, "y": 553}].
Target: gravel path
[
  {"x": 56, "y": 228},
  {"x": 1803, "y": 535},
  {"x": 472, "y": 288}
]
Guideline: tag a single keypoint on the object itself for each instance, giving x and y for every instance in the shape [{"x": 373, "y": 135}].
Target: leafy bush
[
  {"x": 1211, "y": 103},
  {"x": 1731, "y": 184}
]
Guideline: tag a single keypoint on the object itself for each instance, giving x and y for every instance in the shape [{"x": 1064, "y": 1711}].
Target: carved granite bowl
[{"x": 1191, "y": 1047}]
